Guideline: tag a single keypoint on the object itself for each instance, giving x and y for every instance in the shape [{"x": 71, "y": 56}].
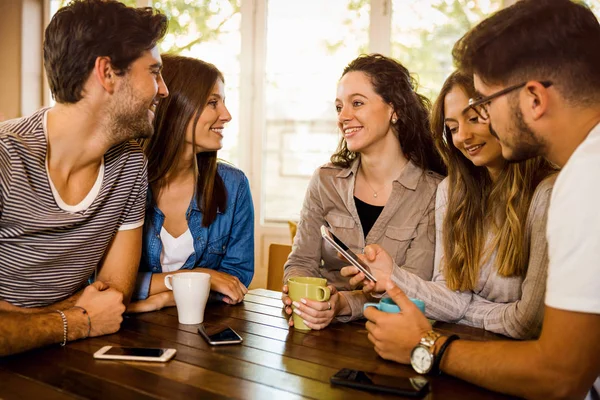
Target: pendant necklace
[{"x": 374, "y": 191}]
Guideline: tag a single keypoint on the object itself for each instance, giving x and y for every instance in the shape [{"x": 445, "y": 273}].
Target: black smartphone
[
  {"x": 416, "y": 386},
  {"x": 346, "y": 252},
  {"x": 217, "y": 335}
]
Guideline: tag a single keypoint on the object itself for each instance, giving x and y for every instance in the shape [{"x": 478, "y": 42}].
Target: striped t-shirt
[{"x": 49, "y": 249}]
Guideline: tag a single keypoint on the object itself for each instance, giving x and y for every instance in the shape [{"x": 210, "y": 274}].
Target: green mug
[{"x": 306, "y": 288}]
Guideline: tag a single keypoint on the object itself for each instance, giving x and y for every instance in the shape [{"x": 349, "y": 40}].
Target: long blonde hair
[{"x": 478, "y": 206}]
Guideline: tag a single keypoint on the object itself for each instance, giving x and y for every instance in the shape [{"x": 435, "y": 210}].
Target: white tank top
[{"x": 175, "y": 251}]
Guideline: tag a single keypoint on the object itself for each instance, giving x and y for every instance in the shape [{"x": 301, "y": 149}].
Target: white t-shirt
[
  {"x": 574, "y": 233},
  {"x": 176, "y": 250}
]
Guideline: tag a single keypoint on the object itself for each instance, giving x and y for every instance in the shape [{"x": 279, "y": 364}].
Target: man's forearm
[
  {"x": 503, "y": 366},
  {"x": 61, "y": 305},
  {"x": 21, "y": 332}
]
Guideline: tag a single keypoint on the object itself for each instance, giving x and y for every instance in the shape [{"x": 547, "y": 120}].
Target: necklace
[{"x": 374, "y": 191}]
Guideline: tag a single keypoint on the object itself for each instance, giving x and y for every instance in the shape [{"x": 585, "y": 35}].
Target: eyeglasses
[{"x": 480, "y": 105}]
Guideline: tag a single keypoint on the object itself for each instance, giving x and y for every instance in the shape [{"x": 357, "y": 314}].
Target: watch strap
[
  {"x": 429, "y": 339},
  {"x": 435, "y": 370}
]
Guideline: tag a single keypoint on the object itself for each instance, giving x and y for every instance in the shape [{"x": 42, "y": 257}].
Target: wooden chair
[{"x": 278, "y": 254}]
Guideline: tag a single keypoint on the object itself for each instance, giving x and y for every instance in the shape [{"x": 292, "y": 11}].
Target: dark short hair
[
  {"x": 397, "y": 87},
  {"x": 87, "y": 29},
  {"x": 555, "y": 40}
]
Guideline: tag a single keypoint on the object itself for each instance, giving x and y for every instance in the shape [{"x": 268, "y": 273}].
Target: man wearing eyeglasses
[{"x": 536, "y": 65}]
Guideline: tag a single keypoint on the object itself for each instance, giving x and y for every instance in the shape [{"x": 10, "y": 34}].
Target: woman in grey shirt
[
  {"x": 491, "y": 253},
  {"x": 379, "y": 187}
]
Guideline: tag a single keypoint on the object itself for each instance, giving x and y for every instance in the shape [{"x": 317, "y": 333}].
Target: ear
[
  {"x": 537, "y": 99},
  {"x": 105, "y": 74}
]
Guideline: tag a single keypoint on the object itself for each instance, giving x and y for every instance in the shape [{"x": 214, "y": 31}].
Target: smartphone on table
[
  {"x": 416, "y": 386},
  {"x": 346, "y": 252},
  {"x": 134, "y": 354},
  {"x": 218, "y": 335}
]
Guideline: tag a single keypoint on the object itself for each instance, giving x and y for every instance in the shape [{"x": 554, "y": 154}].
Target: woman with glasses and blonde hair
[
  {"x": 199, "y": 212},
  {"x": 491, "y": 252}
]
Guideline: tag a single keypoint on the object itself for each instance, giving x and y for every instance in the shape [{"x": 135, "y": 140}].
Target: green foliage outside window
[{"x": 194, "y": 21}]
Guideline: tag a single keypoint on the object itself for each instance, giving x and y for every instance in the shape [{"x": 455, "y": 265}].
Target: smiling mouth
[
  {"x": 474, "y": 149},
  {"x": 351, "y": 130},
  {"x": 217, "y": 130}
]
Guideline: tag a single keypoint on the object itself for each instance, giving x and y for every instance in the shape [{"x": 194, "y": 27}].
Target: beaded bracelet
[
  {"x": 89, "y": 320},
  {"x": 65, "y": 327}
]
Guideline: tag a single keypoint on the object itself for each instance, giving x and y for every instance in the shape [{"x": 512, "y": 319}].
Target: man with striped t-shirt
[{"x": 72, "y": 180}]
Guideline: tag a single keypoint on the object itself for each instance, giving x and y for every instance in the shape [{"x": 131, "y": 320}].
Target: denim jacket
[{"x": 227, "y": 245}]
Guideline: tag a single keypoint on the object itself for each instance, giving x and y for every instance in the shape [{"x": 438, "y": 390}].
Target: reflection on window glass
[
  {"x": 210, "y": 31},
  {"x": 308, "y": 45},
  {"x": 424, "y": 32}
]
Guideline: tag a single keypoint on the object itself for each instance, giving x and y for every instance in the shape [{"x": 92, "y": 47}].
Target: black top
[{"x": 367, "y": 213}]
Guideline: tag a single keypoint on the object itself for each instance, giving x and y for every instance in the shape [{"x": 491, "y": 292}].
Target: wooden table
[{"x": 273, "y": 362}]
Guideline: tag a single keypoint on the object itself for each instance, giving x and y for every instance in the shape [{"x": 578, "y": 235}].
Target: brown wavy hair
[
  {"x": 476, "y": 205},
  {"x": 190, "y": 82},
  {"x": 397, "y": 87}
]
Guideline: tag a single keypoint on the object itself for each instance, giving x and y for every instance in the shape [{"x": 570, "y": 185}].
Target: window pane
[
  {"x": 424, "y": 32},
  {"x": 210, "y": 31},
  {"x": 309, "y": 43}
]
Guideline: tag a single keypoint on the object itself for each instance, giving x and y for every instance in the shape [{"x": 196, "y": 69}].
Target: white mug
[{"x": 191, "y": 290}]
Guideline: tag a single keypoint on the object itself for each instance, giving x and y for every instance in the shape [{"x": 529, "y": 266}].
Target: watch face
[{"x": 421, "y": 359}]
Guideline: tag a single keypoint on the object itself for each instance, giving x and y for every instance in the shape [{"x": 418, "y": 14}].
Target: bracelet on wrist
[
  {"x": 437, "y": 370},
  {"x": 65, "y": 327},
  {"x": 88, "y": 318}
]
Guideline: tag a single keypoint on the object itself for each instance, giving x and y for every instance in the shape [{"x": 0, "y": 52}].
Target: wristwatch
[{"x": 422, "y": 358}]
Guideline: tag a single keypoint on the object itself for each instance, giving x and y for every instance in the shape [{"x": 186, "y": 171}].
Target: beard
[
  {"x": 129, "y": 118},
  {"x": 523, "y": 144},
  {"x": 128, "y": 125}
]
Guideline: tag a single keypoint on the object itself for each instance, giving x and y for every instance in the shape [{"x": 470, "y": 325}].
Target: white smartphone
[
  {"x": 346, "y": 252},
  {"x": 134, "y": 354},
  {"x": 219, "y": 335}
]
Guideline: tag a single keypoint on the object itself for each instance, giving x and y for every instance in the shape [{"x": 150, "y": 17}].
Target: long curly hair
[
  {"x": 478, "y": 206},
  {"x": 392, "y": 81}
]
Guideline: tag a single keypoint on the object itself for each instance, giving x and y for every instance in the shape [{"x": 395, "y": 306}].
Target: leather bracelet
[
  {"x": 89, "y": 320},
  {"x": 65, "y": 326},
  {"x": 436, "y": 370}
]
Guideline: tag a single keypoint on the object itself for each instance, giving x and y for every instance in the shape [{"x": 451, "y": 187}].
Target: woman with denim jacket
[
  {"x": 379, "y": 187},
  {"x": 199, "y": 212}
]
